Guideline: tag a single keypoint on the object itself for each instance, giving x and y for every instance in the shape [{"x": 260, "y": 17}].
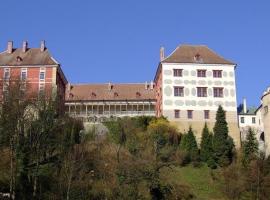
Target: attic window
[
  {"x": 19, "y": 59},
  {"x": 71, "y": 95},
  {"x": 93, "y": 95},
  {"x": 198, "y": 58},
  {"x": 115, "y": 94}
]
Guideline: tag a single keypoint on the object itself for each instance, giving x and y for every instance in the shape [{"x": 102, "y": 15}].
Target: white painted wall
[
  {"x": 190, "y": 82},
  {"x": 248, "y": 121}
]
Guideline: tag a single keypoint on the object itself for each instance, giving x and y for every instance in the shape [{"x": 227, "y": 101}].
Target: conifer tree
[
  {"x": 222, "y": 143},
  {"x": 250, "y": 147},
  {"x": 206, "y": 144},
  {"x": 189, "y": 144}
]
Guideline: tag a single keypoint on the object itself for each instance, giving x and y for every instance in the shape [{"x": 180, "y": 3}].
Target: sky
[{"x": 118, "y": 41}]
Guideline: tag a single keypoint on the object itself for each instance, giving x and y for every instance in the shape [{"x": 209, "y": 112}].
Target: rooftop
[
  {"x": 109, "y": 91},
  {"x": 26, "y": 56},
  {"x": 195, "y": 54}
]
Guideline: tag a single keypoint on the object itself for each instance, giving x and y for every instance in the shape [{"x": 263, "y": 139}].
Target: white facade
[
  {"x": 190, "y": 82},
  {"x": 253, "y": 121}
]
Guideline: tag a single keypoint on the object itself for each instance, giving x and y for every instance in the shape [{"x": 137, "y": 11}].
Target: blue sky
[{"x": 118, "y": 41}]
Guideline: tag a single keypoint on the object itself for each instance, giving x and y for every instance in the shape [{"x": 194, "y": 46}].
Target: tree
[
  {"x": 188, "y": 144},
  {"x": 222, "y": 144},
  {"x": 250, "y": 147},
  {"x": 206, "y": 152}
]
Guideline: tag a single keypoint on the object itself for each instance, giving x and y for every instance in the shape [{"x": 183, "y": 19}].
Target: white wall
[
  {"x": 190, "y": 82},
  {"x": 248, "y": 121}
]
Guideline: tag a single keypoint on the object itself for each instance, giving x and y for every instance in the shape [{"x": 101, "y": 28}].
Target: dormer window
[
  {"x": 93, "y": 95},
  {"x": 115, "y": 94},
  {"x": 197, "y": 58},
  {"x": 19, "y": 59},
  {"x": 138, "y": 95},
  {"x": 71, "y": 95}
]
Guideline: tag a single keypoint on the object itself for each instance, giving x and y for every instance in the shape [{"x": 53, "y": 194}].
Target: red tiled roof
[
  {"x": 195, "y": 54},
  {"x": 33, "y": 56},
  {"x": 94, "y": 92}
]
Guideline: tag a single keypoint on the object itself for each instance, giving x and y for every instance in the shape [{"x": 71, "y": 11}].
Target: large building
[
  {"x": 259, "y": 121},
  {"x": 265, "y": 115},
  {"x": 93, "y": 102},
  {"x": 35, "y": 69},
  {"x": 190, "y": 85},
  {"x": 251, "y": 118}
]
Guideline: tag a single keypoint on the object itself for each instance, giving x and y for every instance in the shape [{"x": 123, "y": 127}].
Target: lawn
[{"x": 199, "y": 180}]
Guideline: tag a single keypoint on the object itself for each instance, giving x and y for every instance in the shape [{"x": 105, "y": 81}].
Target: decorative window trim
[
  {"x": 24, "y": 70},
  {"x": 42, "y": 70},
  {"x": 4, "y": 74}
]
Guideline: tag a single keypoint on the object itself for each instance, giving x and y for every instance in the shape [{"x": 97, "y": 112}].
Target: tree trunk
[
  {"x": 12, "y": 176},
  {"x": 258, "y": 181},
  {"x": 118, "y": 153}
]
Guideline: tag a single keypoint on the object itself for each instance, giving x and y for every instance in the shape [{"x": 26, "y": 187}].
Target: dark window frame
[
  {"x": 177, "y": 72},
  {"x": 178, "y": 91},
  {"x": 201, "y": 73}
]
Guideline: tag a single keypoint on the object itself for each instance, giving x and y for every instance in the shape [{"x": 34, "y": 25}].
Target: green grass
[{"x": 199, "y": 180}]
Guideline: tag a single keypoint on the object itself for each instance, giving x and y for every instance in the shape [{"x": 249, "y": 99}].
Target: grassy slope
[{"x": 199, "y": 180}]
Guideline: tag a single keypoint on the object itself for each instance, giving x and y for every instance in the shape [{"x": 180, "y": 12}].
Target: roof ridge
[
  {"x": 183, "y": 54},
  {"x": 107, "y": 83}
]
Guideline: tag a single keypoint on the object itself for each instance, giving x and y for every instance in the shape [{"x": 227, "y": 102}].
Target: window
[
  {"x": 217, "y": 73},
  {"x": 242, "y": 120},
  {"x": 218, "y": 92},
  {"x": 178, "y": 91},
  {"x": 253, "y": 120},
  {"x": 23, "y": 74},
  {"x": 23, "y": 86},
  {"x": 42, "y": 74},
  {"x": 201, "y": 73},
  {"x": 177, "y": 72},
  {"x": 190, "y": 114},
  {"x": 5, "y": 86},
  {"x": 176, "y": 113},
  {"x": 206, "y": 114},
  {"x": 265, "y": 109},
  {"x": 41, "y": 89},
  {"x": 6, "y": 73},
  {"x": 201, "y": 91}
]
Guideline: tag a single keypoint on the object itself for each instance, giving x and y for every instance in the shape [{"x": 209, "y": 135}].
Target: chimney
[
  {"x": 42, "y": 45},
  {"x": 110, "y": 86},
  {"x": 146, "y": 85},
  {"x": 162, "y": 54},
  {"x": 245, "y": 105},
  {"x": 25, "y": 46},
  {"x": 152, "y": 85},
  {"x": 10, "y": 46}
]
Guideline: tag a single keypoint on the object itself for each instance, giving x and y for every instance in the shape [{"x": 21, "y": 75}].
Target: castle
[{"x": 187, "y": 89}]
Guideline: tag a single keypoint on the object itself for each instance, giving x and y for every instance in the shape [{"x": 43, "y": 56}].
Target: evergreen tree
[
  {"x": 250, "y": 147},
  {"x": 206, "y": 144},
  {"x": 222, "y": 143},
  {"x": 189, "y": 144}
]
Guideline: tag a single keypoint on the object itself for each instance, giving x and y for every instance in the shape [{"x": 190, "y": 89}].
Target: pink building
[{"x": 36, "y": 70}]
